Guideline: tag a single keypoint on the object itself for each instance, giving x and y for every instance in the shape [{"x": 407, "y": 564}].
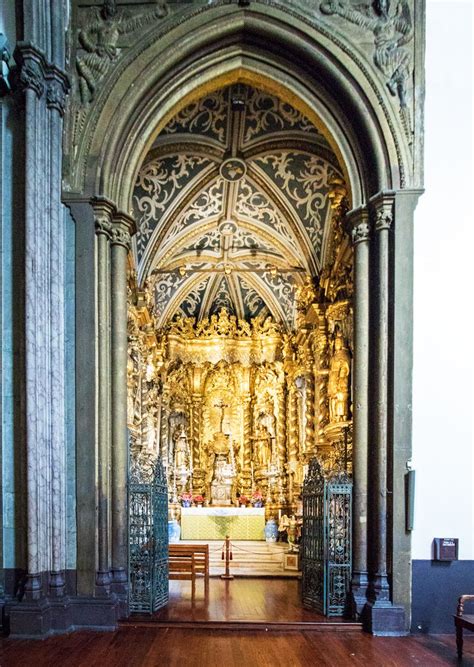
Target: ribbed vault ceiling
[{"x": 232, "y": 207}]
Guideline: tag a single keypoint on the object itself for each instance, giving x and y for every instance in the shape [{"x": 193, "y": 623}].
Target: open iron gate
[
  {"x": 326, "y": 540},
  {"x": 148, "y": 550}
]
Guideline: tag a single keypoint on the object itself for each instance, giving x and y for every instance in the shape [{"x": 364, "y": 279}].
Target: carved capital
[
  {"x": 382, "y": 206},
  {"x": 58, "y": 88},
  {"x": 120, "y": 236},
  {"x": 358, "y": 223},
  {"x": 360, "y": 233},
  {"x": 103, "y": 212}
]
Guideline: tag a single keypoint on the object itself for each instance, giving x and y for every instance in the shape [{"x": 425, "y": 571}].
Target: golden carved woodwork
[{"x": 245, "y": 387}]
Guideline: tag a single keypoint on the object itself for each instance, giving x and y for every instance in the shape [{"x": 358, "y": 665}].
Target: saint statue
[
  {"x": 181, "y": 449},
  {"x": 263, "y": 446},
  {"x": 338, "y": 384}
]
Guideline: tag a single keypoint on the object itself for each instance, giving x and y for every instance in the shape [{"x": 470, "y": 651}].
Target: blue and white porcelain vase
[
  {"x": 271, "y": 531},
  {"x": 174, "y": 531}
]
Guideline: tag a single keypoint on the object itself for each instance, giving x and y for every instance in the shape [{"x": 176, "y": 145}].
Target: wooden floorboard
[
  {"x": 153, "y": 647},
  {"x": 238, "y": 601}
]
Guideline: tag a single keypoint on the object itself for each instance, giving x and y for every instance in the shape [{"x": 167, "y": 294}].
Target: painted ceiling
[{"x": 232, "y": 207}]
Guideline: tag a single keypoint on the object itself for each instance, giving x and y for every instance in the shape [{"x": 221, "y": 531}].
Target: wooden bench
[
  {"x": 463, "y": 621},
  {"x": 188, "y": 561}
]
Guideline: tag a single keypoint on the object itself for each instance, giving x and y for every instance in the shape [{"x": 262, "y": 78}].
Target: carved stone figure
[
  {"x": 99, "y": 38},
  {"x": 338, "y": 384},
  {"x": 391, "y": 32}
]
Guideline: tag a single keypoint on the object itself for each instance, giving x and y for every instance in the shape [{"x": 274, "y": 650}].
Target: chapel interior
[{"x": 240, "y": 305}]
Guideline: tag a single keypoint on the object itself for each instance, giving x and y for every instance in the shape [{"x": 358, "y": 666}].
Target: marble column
[
  {"x": 41, "y": 87},
  {"x": 122, "y": 227},
  {"x": 359, "y": 222}
]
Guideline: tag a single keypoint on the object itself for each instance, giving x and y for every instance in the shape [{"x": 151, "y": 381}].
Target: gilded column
[
  {"x": 122, "y": 227},
  {"x": 309, "y": 414},
  {"x": 103, "y": 211},
  {"x": 293, "y": 445},
  {"x": 247, "y": 432},
  {"x": 359, "y": 221},
  {"x": 281, "y": 428},
  {"x": 383, "y": 209},
  {"x": 196, "y": 429}
]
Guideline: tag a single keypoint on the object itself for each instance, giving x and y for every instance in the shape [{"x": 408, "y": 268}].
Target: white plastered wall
[{"x": 443, "y": 405}]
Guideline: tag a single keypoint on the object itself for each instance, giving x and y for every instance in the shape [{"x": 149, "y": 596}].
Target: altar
[{"x": 214, "y": 523}]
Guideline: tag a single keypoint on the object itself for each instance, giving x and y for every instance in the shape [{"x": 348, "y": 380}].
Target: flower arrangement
[
  {"x": 257, "y": 499},
  {"x": 243, "y": 500},
  {"x": 186, "y": 498},
  {"x": 198, "y": 499}
]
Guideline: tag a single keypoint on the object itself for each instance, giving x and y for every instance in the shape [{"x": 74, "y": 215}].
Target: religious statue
[
  {"x": 263, "y": 446},
  {"x": 338, "y": 383},
  {"x": 99, "y": 39},
  {"x": 181, "y": 449}
]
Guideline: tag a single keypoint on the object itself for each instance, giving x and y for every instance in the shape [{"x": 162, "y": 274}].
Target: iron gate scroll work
[
  {"x": 148, "y": 536},
  {"x": 327, "y": 540}
]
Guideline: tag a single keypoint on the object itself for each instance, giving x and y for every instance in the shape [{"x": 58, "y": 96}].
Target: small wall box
[{"x": 445, "y": 548}]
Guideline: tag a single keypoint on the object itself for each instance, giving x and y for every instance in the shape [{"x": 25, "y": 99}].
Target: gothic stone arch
[{"x": 328, "y": 65}]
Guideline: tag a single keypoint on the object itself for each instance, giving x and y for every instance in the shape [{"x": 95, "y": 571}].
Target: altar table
[{"x": 214, "y": 523}]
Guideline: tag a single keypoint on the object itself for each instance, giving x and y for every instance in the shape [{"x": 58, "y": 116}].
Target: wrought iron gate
[
  {"x": 326, "y": 541},
  {"x": 148, "y": 550}
]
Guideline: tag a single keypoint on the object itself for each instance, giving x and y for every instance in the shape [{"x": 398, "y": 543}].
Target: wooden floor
[
  {"x": 165, "y": 647},
  {"x": 244, "y": 600}
]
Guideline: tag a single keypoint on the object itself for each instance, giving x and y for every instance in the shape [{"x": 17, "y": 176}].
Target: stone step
[{"x": 249, "y": 558}]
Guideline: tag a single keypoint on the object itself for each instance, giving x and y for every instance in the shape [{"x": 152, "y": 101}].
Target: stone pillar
[
  {"x": 383, "y": 208},
  {"x": 103, "y": 211},
  {"x": 41, "y": 88},
  {"x": 120, "y": 243},
  {"x": 359, "y": 221}
]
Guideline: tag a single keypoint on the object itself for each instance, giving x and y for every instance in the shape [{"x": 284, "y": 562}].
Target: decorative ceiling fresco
[{"x": 232, "y": 207}]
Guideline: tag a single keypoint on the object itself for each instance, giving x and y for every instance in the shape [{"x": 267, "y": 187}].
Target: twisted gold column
[
  {"x": 247, "y": 432},
  {"x": 281, "y": 428},
  {"x": 196, "y": 419},
  {"x": 293, "y": 444},
  {"x": 309, "y": 412}
]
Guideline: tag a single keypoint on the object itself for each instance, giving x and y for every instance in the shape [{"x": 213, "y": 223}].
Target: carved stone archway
[{"x": 307, "y": 61}]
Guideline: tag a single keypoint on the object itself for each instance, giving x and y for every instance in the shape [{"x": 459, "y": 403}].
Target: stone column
[
  {"x": 359, "y": 221},
  {"x": 384, "y": 616},
  {"x": 41, "y": 88},
  {"x": 122, "y": 227},
  {"x": 55, "y": 103},
  {"x": 383, "y": 210},
  {"x": 103, "y": 211}
]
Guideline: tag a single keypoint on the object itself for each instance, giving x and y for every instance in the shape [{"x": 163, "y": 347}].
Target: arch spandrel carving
[{"x": 203, "y": 25}]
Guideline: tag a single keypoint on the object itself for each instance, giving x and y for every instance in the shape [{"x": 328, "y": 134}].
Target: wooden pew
[
  {"x": 463, "y": 621},
  {"x": 183, "y": 567},
  {"x": 197, "y": 553}
]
